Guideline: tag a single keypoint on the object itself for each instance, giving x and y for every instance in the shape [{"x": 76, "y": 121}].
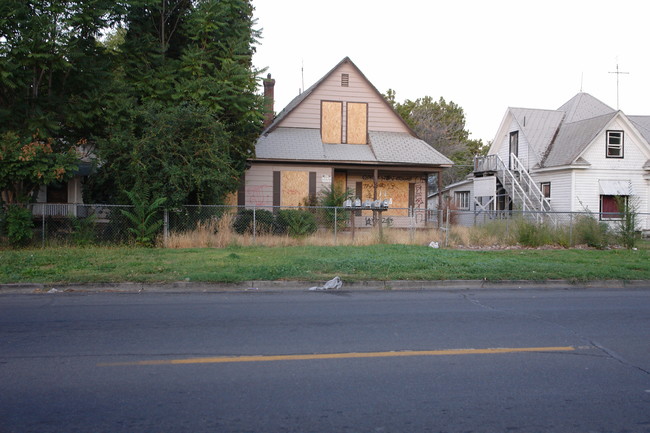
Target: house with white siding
[
  {"x": 340, "y": 132},
  {"x": 579, "y": 157}
]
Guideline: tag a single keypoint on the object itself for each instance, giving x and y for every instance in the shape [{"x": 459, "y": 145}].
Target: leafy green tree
[
  {"x": 442, "y": 125},
  {"x": 27, "y": 164},
  {"x": 52, "y": 70},
  {"x": 177, "y": 152},
  {"x": 185, "y": 114}
]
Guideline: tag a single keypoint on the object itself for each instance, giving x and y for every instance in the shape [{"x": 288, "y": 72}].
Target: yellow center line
[{"x": 318, "y": 356}]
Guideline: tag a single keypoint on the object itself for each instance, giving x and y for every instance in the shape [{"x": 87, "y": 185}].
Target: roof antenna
[
  {"x": 582, "y": 77},
  {"x": 617, "y": 75},
  {"x": 302, "y": 74}
]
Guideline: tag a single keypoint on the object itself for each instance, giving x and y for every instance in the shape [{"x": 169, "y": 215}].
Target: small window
[
  {"x": 546, "y": 189},
  {"x": 614, "y": 144},
  {"x": 345, "y": 80},
  {"x": 462, "y": 200},
  {"x": 612, "y": 206}
]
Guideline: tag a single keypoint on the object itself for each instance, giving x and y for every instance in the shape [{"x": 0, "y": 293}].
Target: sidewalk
[{"x": 284, "y": 286}]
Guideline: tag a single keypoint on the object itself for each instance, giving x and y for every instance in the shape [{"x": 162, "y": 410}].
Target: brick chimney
[{"x": 269, "y": 84}]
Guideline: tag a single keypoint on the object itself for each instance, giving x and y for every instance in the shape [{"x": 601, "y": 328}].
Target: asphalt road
[{"x": 458, "y": 361}]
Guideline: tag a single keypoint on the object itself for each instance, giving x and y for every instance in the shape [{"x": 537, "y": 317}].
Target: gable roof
[
  {"x": 278, "y": 143},
  {"x": 558, "y": 137},
  {"x": 306, "y": 93}
]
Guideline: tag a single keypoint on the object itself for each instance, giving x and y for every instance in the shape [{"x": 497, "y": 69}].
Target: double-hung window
[
  {"x": 614, "y": 145},
  {"x": 462, "y": 200}
]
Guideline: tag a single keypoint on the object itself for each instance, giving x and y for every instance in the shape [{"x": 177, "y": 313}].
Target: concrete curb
[{"x": 284, "y": 286}]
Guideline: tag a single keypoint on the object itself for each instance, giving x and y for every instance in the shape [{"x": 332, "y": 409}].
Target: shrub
[
  {"x": 262, "y": 220},
  {"x": 19, "y": 226},
  {"x": 143, "y": 219},
  {"x": 330, "y": 199},
  {"x": 588, "y": 230},
  {"x": 83, "y": 230},
  {"x": 534, "y": 235},
  {"x": 296, "y": 222}
]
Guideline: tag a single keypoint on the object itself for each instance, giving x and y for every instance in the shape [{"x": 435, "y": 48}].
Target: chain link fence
[{"x": 221, "y": 226}]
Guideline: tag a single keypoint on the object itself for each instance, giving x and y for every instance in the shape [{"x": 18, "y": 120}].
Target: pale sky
[{"x": 483, "y": 55}]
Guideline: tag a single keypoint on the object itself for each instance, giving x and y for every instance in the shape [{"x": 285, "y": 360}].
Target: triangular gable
[
  {"x": 573, "y": 138},
  {"x": 298, "y": 101}
]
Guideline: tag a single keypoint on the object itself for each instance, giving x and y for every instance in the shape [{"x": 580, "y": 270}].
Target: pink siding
[{"x": 380, "y": 116}]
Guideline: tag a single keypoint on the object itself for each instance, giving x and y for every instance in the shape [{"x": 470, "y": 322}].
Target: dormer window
[{"x": 614, "y": 144}]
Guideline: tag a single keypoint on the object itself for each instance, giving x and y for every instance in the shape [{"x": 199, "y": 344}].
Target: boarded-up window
[
  {"x": 294, "y": 187},
  {"x": 331, "y": 125},
  {"x": 357, "y": 125}
]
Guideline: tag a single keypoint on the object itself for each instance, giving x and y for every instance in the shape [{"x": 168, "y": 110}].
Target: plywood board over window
[
  {"x": 331, "y": 124},
  {"x": 294, "y": 188},
  {"x": 357, "y": 127}
]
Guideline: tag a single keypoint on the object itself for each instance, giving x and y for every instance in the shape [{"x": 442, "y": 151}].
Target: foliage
[
  {"x": 27, "y": 164},
  {"x": 258, "y": 221},
  {"x": 589, "y": 231},
  {"x": 83, "y": 230},
  {"x": 145, "y": 226},
  {"x": 628, "y": 231},
  {"x": 296, "y": 222},
  {"x": 331, "y": 198},
  {"x": 442, "y": 125},
  {"x": 531, "y": 234},
  {"x": 175, "y": 151},
  {"x": 53, "y": 75},
  {"x": 19, "y": 226},
  {"x": 185, "y": 114}
]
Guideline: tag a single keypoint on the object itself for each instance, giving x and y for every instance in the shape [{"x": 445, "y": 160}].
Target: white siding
[
  {"x": 630, "y": 167},
  {"x": 380, "y": 116},
  {"x": 562, "y": 199}
]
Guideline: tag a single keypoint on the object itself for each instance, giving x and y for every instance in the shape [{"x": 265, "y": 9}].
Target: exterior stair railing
[{"x": 517, "y": 182}]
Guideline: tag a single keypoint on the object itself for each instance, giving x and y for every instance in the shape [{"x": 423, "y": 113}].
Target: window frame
[
  {"x": 605, "y": 201},
  {"x": 542, "y": 185},
  {"x": 461, "y": 199},
  {"x": 611, "y": 146}
]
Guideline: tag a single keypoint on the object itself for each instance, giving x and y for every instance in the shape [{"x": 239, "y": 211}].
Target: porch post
[{"x": 375, "y": 181}]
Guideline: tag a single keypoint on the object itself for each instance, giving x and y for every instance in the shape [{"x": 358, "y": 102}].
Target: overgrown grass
[{"x": 317, "y": 263}]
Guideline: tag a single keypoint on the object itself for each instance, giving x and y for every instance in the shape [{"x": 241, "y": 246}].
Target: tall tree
[
  {"x": 52, "y": 74},
  {"x": 442, "y": 125},
  {"x": 182, "y": 56}
]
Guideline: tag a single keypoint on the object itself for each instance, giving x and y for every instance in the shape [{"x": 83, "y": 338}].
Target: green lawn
[{"x": 376, "y": 262}]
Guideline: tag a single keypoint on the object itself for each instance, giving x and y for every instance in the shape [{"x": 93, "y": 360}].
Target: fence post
[
  {"x": 571, "y": 229},
  {"x": 43, "y": 228},
  {"x": 254, "y": 225},
  {"x": 336, "y": 222},
  {"x": 165, "y": 226}
]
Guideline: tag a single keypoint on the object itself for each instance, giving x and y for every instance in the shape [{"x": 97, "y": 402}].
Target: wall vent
[{"x": 345, "y": 80}]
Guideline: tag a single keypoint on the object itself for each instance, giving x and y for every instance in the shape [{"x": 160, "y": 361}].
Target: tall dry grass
[{"x": 218, "y": 233}]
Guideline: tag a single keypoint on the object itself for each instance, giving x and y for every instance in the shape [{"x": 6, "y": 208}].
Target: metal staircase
[{"x": 520, "y": 187}]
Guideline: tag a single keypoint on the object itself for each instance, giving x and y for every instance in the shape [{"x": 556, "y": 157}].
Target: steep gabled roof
[
  {"x": 573, "y": 138},
  {"x": 278, "y": 143},
  {"x": 305, "y": 94},
  {"x": 538, "y": 126}
]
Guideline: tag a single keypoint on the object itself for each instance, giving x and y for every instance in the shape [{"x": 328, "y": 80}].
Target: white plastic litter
[
  {"x": 53, "y": 290},
  {"x": 434, "y": 245},
  {"x": 333, "y": 284}
]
